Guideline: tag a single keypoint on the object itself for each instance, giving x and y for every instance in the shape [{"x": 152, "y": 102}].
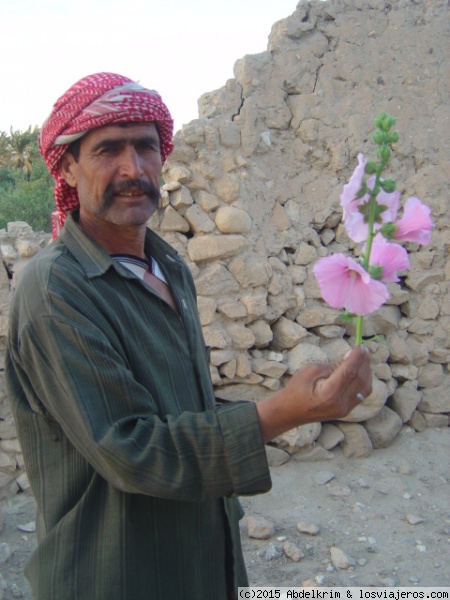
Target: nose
[{"x": 130, "y": 163}]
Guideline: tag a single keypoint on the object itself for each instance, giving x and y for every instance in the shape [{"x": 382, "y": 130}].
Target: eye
[
  {"x": 148, "y": 145},
  {"x": 108, "y": 149}
]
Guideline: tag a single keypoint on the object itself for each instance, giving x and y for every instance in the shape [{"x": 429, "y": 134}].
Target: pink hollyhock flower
[
  {"x": 416, "y": 223},
  {"x": 391, "y": 257},
  {"x": 353, "y": 219},
  {"x": 354, "y": 185},
  {"x": 345, "y": 283}
]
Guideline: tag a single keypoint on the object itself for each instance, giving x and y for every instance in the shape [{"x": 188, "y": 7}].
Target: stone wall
[
  {"x": 18, "y": 244},
  {"x": 251, "y": 200}
]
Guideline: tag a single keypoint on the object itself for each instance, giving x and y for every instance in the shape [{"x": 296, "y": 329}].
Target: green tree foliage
[{"x": 26, "y": 187}]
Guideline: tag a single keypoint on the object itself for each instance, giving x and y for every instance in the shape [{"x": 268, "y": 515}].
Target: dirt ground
[{"x": 389, "y": 514}]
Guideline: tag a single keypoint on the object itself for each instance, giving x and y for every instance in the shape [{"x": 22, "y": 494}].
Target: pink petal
[
  {"x": 354, "y": 185},
  {"x": 391, "y": 200},
  {"x": 357, "y": 229},
  {"x": 391, "y": 257},
  {"x": 366, "y": 298},
  {"x": 330, "y": 273},
  {"x": 416, "y": 223},
  {"x": 345, "y": 283}
]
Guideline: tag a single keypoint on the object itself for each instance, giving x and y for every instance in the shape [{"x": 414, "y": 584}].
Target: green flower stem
[
  {"x": 359, "y": 330},
  {"x": 370, "y": 236}
]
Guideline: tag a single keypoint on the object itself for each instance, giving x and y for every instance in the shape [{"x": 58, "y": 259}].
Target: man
[{"x": 134, "y": 469}]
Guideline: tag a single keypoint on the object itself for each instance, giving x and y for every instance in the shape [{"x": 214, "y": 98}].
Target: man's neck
[{"x": 115, "y": 239}]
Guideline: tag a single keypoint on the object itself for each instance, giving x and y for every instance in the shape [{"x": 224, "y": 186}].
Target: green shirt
[{"x": 134, "y": 468}]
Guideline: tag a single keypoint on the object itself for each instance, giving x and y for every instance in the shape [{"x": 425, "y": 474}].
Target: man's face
[{"x": 118, "y": 173}]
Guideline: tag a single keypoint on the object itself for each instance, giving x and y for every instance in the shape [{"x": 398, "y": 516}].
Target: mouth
[
  {"x": 132, "y": 193},
  {"x": 136, "y": 189}
]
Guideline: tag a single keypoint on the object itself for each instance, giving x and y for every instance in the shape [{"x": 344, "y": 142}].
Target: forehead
[{"x": 120, "y": 131}]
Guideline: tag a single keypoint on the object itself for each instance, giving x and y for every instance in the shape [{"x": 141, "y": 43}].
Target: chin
[{"x": 132, "y": 217}]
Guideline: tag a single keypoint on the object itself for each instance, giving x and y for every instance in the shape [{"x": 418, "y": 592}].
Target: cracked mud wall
[{"x": 252, "y": 201}]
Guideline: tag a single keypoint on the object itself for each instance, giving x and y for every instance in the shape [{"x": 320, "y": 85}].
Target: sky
[{"x": 181, "y": 48}]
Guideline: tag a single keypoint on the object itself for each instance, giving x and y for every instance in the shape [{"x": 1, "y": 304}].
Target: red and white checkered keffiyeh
[{"x": 96, "y": 100}]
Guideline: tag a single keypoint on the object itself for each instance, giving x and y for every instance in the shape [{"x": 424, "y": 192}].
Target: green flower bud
[
  {"x": 388, "y": 185},
  {"x": 379, "y": 137},
  {"x": 378, "y": 122},
  {"x": 371, "y": 167},
  {"x": 384, "y": 153},
  {"x": 384, "y": 121},
  {"x": 388, "y": 122},
  {"x": 391, "y": 121},
  {"x": 392, "y": 138},
  {"x": 388, "y": 230},
  {"x": 375, "y": 271}
]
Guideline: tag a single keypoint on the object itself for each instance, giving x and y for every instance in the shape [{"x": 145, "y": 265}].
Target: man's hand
[{"x": 317, "y": 393}]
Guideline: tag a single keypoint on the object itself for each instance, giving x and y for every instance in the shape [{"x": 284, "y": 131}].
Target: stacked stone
[
  {"x": 17, "y": 245},
  {"x": 251, "y": 201}
]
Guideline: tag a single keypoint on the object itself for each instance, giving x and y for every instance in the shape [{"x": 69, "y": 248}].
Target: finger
[
  {"x": 315, "y": 371},
  {"x": 357, "y": 361},
  {"x": 358, "y": 353},
  {"x": 353, "y": 375},
  {"x": 359, "y": 378},
  {"x": 354, "y": 355}
]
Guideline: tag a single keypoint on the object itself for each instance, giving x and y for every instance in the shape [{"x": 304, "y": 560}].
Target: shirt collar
[{"x": 95, "y": 260}]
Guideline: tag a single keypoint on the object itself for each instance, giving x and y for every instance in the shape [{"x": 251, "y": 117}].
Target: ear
[{"x": 68, "y": 167}]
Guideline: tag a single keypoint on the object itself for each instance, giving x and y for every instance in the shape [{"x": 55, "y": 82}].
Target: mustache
[{"x": 146, "y": 187}]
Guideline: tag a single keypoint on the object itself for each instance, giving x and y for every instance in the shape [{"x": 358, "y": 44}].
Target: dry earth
[
  {"x": 364, "y": 511},
  {"x": 389, "y": 513}
]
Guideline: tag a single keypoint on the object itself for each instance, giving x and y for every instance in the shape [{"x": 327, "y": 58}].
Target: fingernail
[{"x": 348, "y": 354}]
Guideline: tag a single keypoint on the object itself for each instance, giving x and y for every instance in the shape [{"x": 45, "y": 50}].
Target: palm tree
[
  {"x": 4, "y": 149},
  {"x": 22, "y": 149}
]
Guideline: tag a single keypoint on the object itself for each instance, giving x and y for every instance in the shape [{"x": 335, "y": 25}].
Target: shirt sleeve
[{"x": 73, "y": 375}]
